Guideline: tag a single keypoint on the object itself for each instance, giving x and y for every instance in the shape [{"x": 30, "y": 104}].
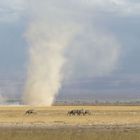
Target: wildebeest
[
  {"x": 72, "y": 112},
  {"x": 79, "y": 112},
  {"x": 29, "y": 112},
  {"x": 84, "y": 112},
  {"x": 87, "y": 112}
]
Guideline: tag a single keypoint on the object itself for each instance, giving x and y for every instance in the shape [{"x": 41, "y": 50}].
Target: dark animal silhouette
[
  {"x": 87, "y": 112},
  {"x": 29, "y": 112},
  {"x": 78, "y": 112},
  {"x": 72, "y": 112}
]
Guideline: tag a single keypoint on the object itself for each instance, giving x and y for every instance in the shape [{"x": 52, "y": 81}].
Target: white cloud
[
  {"x": 11, "y": 10},
  {"x": 94, "y": 53},
  {"x": 118, "y": 7}
]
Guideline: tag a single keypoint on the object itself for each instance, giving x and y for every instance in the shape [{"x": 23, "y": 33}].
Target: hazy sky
[{"x": 120, "y": 18}]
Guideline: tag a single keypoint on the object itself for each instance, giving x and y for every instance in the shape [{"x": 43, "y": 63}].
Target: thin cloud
[{"x": 11, "y": 11}]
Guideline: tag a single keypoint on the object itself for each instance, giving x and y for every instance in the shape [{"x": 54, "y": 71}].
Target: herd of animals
[{"x": 77, "y": 112}]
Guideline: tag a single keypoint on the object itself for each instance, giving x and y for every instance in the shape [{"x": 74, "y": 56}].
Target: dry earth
[{"x": 57, "y": 116}]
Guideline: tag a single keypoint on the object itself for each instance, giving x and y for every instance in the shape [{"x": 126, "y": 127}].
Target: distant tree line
[{"x": 99, "y": 103}]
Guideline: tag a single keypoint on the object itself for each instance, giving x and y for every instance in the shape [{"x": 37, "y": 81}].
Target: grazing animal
[
  {"x": 29, "y": 112},
  {"x": 78, "y": 112},
  {"x": 72, "y": 112},
  {"x": 87, "y": 112}
]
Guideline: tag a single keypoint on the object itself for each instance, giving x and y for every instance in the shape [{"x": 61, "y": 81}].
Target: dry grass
[
  {"x": 68, "y": 134},
  {"x": 57, "y": 115},
  {"x": 24, "y": 125}
]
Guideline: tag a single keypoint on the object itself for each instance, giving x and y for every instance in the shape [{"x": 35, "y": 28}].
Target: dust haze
[{"x": 64, "y": 43}]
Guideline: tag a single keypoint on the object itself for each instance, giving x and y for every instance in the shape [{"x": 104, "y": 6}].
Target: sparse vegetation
[
  {"x": 57, "y": 115},
  {"x": 69, "y": 134},
  {"x": 15, "y": 125}
]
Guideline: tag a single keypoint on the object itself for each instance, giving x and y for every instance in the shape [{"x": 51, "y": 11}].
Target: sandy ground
[{"x": 57, "y": 116}]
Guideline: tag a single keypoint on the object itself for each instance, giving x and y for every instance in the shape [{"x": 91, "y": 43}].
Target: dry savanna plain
[{"x": 48, "y": 123}]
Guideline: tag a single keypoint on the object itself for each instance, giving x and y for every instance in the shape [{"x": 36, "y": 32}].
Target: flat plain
[
  {"x": 53, "y": 123},
  {"x": 57, "y": 115}
]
